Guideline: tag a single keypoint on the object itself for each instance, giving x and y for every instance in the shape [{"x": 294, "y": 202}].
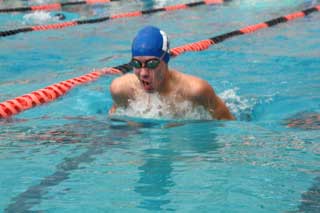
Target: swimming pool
[{"x": 67, "y": 156}]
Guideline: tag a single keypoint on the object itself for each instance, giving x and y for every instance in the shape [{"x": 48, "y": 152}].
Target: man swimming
[{"x": 152, "y": 76}]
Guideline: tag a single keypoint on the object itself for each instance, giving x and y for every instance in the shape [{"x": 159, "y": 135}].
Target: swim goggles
[{"x": 150, "y": 64}]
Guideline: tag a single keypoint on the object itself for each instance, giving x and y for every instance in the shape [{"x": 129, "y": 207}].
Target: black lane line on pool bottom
[
  {"x": 24, "y": 201},
  {"x": 310, "y": 200},
  {"x": 10, "y": 105},
  {"x": 33, "y": 195}
]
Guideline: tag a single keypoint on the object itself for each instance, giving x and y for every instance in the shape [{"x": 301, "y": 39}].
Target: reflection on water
[
  {"x": 163, "y": 148},
  {"x": 155, "y": 178},
  {"x": 156, "y": 173}
]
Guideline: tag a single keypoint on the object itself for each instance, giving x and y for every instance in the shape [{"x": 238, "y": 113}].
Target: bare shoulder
[
  {"x": 192, "y": 85},
  {"x": 200, "y": 92},
  {"x": 122, "y": 89},
  {"x": 123, "y": 84}
]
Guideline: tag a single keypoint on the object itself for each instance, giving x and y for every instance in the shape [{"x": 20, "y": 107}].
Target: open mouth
[{"x": 146, "y": 85}]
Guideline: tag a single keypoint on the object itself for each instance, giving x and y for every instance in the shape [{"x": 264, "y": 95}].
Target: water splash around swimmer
[
  {"x": 152, "y": 106},
  {"x": 159, "y": 109}
]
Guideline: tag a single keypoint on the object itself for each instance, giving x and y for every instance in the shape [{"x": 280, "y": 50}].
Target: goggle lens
[{"x": 150, "y": 64}]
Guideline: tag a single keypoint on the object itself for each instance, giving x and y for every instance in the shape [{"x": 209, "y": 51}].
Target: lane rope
[
  {"x": 54, "y": 6},
  {"x": 53, "y": 92},
  {"x": 61, "y": 25},
  {"x": 49, "y": 93}
]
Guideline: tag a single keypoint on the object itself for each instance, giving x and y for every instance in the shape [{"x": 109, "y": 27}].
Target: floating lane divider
[
  {"x": 50, "y": 93},
  {"x": 205, "y": 44},
  {"x": 53, "y": 6},
  {"x": 106, "y": 18}
]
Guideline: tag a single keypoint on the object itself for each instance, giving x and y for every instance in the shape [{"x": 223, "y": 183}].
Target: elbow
[{"x": 223, "y": 113}]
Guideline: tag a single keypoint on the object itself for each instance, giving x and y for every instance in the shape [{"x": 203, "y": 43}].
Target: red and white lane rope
[
  {"x": 53, "y": 6},
  {"x": 48, "y": 94},
  {"x": 51, "y": 93},
  {"x": 106, "y": 18}
]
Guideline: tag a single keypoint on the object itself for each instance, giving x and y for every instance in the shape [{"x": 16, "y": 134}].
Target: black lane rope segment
[
  {"x": 47, "y": 7},
  {"x": 106, "y": 18},
  {"x": 15, "y": 31},
  {"x": 125, "y": 68},
  {"x": 56, "y": 6},
  {"x": 60, "y": 176},
  {"x": 10, "y": 107}
]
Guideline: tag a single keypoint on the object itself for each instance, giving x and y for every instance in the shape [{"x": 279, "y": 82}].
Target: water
[{"x": 67, "y": 156}]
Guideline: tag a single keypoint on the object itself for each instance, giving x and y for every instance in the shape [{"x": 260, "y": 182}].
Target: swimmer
[
  {"x": 60, "y": 16},
  {"x": 152, "y": 75}
]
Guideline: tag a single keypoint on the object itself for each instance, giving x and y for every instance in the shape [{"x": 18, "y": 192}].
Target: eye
[
  {"x": 153, "y": 63},
  {"x": 135, "y": 63}
]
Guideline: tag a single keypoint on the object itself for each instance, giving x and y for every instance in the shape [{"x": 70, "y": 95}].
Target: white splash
[
  {"x": 234, "y": 102},
  {"x": 38, "y": 17},
  {"x": 152, "y": 106},
  {"x": 35, "y": 2},
  {"x": 242, "y": 107},
  {"x": 159, "y": 3}
]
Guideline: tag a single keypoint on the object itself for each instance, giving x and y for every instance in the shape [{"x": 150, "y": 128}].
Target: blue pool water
[{"x": 67, "y": 156}]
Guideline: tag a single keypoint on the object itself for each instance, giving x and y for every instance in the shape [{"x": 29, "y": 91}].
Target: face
[{"x": 150, "y": 71}]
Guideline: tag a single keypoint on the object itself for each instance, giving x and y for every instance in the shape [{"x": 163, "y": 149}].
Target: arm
[
  {"x": 204, "y": 95},
  {"x": 121, "y": 91},
  {"x": 221, "y": 111}
]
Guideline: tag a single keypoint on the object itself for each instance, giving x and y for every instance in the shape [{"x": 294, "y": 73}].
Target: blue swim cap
[{"x": 151, "y": 41}]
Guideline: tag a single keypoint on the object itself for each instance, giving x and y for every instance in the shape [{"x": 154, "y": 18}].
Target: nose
[{"x": 144, "y": 73}]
